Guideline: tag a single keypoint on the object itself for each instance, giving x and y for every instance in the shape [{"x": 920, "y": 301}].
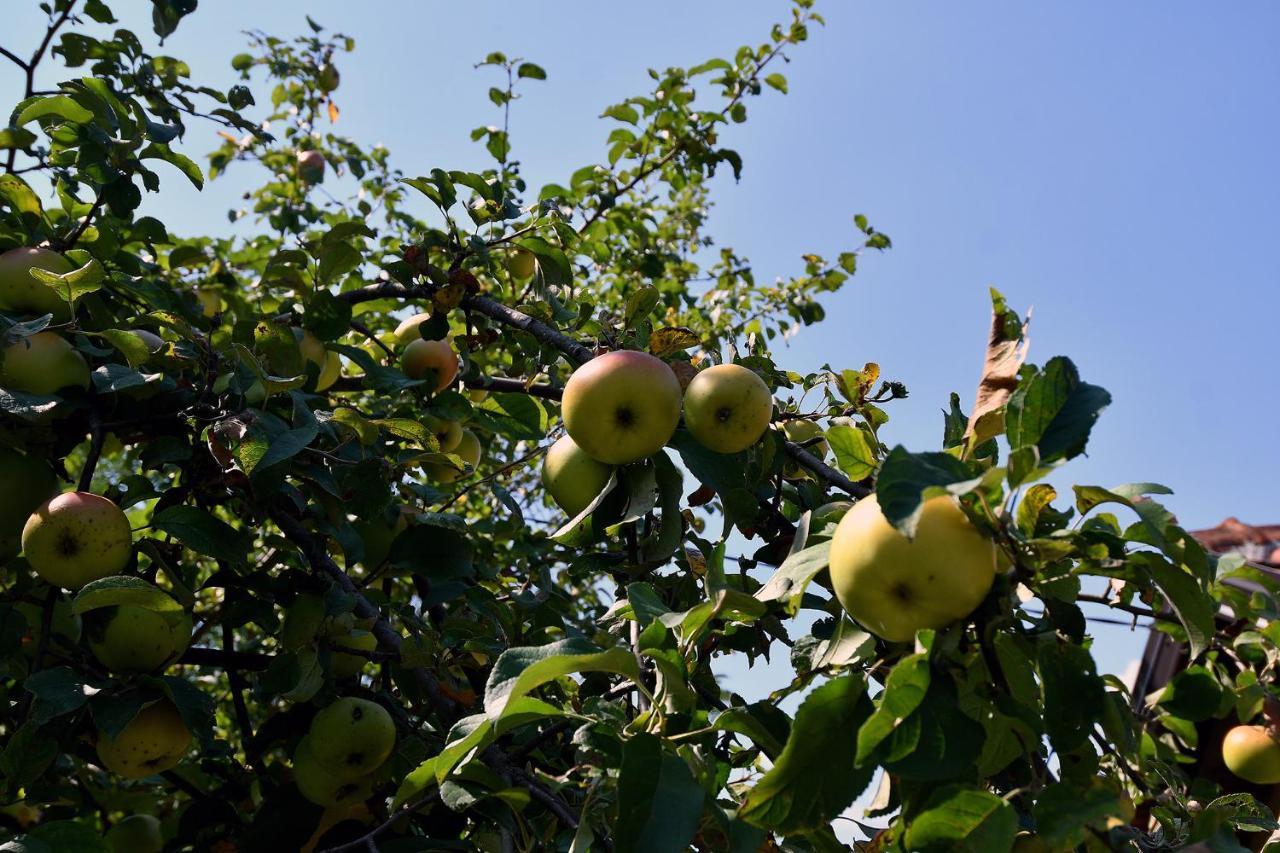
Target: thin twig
[{"x": 365, "y": 842}]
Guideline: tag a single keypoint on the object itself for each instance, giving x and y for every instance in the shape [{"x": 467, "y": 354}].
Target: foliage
[{"x": 553, "y": 685}]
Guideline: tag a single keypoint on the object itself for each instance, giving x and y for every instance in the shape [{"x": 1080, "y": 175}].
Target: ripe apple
[
  {"x": 25, "y": 483},
  {"x": 129, "y": 638},
  {"x": 1253, "y": 754},
  {"x": 424, "y": 359},
  {"x": 352, "y": 737},
  {"x": 893, "y": 586},
  {"x": 468, "y": 448},
  {"x": 571, "y": 477},
  {"x": 22, "y": 292},
  {"x": 42, "y": 364},
  {"x": 799, "y": 432},
  {"x": 311, "y": 166},
  {"x": 345, "y": 665},
  {"x": 77, "y": 537},
  {"x": 66, "y": 625},
  {"x": 621, "y": 406},
  {"x": 137, "y": 833},
  {"x": 327, "y": 362},
  {"x": 321, "y": 786},
  {"x": 727, "y": 408},
  {"x": 302, "y": 622},
  {"x": 152, "y": 742},
  {"x": 521, "y": 264},
  {"x": 448, "y": 433}
]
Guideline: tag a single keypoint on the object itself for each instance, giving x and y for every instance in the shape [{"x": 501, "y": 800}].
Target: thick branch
[
  {"x": 225, "y": 659},
  {"x": 514, "y": 386},
  {"x": 574, "y": 351}
]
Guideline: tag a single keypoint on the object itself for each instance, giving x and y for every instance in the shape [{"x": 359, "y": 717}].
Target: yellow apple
[
  {"x": 1253, "y": 754},
  {"x": 311, "y": 165},
  {"x": 893, "y": 586},
  {"x": 25, "y": 483},
  {"x": 152, "y": 742},
  {"x": 424, "y": 359},
  {"x": 327, "y": 362},
  {"x": 129, "y": 638},
  {"x": 622, "y": 406},
  {"x": 468, "y": 450},
  {"x": 77, "y": 537},
  {"x": 408, "y": 331},
  {"x": 727, "y": 408},
  {"x": 352, "y": 737},
  {"x": 137, "y": 833},
  {"x": 22, "y": 292},
  {"x": 318, "y": 783},
  {"x": 448, "y": 433},
  {"x": 521, "y": 264},
  {"x": 571, "y": 477},
  {"x": 346, "y": 665},
  {"x": 42, "y": 364}
]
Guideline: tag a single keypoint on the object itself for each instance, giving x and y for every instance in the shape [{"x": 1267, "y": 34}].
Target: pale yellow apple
[
  {"x": 448, "y": 433},
  {"x": 77, "y": 537},
  {"x": 42, "y": 364},
  {"x": 326, "y": 361},
  {"x": 571, "y": 477},
  {"x": 622, "y": 406},
  {"x": 1253, "y": 754},
  {"x": 424, "y": 359},
  {"x": 521, "y": 264},
  {"x": 800, "y": 431},
  {"x": 352, "y": 737},
  {"x": 344, "y": 664},
  {"x": 130, "y": 638},
  {"x": 153, "y": 741},
  {"x": 22, "y": 292},
  {"x": 727, "y": 408},
  {"x": 893, "y": 586},
  {"x": 468, "y": 448},
  {"x": 321, "y": 786},
  {"x": 407, "y": 331}
]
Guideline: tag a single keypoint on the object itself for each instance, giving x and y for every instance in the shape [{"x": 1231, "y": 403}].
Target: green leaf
[
  {"x": 963, "y": 820},
  {"x": 659, "y": 801},
  {"x": 552, "y": 261},
  {"x": 67, "y": 836},
  {"x": 622, "y": 112},
  {"x": 907, "y": 479},
  {"x": 778, "y": 82},
  {"x": 61, "y": 106},
  {"x": 763, "y": 722},
  {"x": 788, "y": 582},
  {"x": 1193, "y": 607},
  {"x": 904, "y": 690},
  {"x": 72, "y": 285},
  {"x": 1193, "y": 694},
  {"x": 523, "y": 669},
  {"x": 1064, "y": 812},
  {"x": 531, "y": 71},
  {"x": 16, "y": 137},
  {"x": 130, "y": 345},
  {"x": 183, "y": 163},
  {"x": 202, "y": 532},
  {"x": 1053, "y": 410},
  {"x": 853, "y": 451},
  {"x": 1074, "y": 696},
  {"x": 337, "y": 258},
  {"x": 327, "y": 317},
  {"x": 57, "y": 691},
  {"x": 19, "y": 195},
  {"x": 795, "y": 795},
  {"x": 670, "y": 481},
  {"x": 123, "y": 589}
]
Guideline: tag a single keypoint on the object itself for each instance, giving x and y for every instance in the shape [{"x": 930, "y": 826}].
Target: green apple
[
  {"x": 571, "y": 477},
  {"x": 329, "y": 77},
  {"x": 42, "y": 364},
  {"x": 66, "y": 625},
  {"x": 424, "y": 359},
  {"x": 152, "y": 742},
  {"x": 345, "y": 665},
  {"x": 468, "y": 449},
  {"x": 311, "y": 165},
  {"x": 521, "y": 264},
  {"x": 352, "y": 737},
  {"x": 129, "y": 638},
  {"x": 622, "y": 406},
  {"x": 25, "y": 483},
  {"x": 408, "y": 332},
  {"x": 799, "y": 431},
  {"x": 137, "y": 833},
  {"x": 727, "y": 408},
  {"x": 77, "y": 537},
  {"x": 327, "y": 362},
  {"x": 448, "y": 433},
  {"x": 302, "y": 622},
  {"x": 893, "y": 586},
  {"x": 22, "y": 292},
  {"x": 318, "y": 783},
  {"x": 1253, "y": 754}
]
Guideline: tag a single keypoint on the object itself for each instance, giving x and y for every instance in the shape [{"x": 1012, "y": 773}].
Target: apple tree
[{"x": 423, "y": 511}]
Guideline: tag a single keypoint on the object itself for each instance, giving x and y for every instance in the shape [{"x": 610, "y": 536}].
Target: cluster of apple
[
  {"x": 336, "y": 763},
  {"x": 45, "y": 362}
]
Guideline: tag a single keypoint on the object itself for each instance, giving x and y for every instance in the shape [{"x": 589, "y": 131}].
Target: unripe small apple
[
  {"x": 43, "y": 363},
  {"x": 893, "y": 586},
  {"x": 468, "y": 449},
  {"x": 311, "y": 166},
  {"x": 25, "y": 483},
  {"x": 522, "y": 264},
  {"x": 343, "y": 664},
  {"x": 571, "y": 477},
  {"x": 448, "y": 433},
  {"x": 800, "y": 431},
  {"x": 321, "y": 786},
  {"x": 329, "y": 77},
  {"x": 423, "y": 359},
  {"x": 326, "y": 361},
  {"x": 727, "y": 408},
  {"x": 152, "y": 742},
  {"x": 23, "y": 293},
  {"x": 77, "y": 537},
  {"x": 130, "y": 638},
  {"x": 352, "y": 737},
  {"x": 137, "y": 833},
  {"x": 622, "y": 406},
  {"x": 1253, "y": 754}
]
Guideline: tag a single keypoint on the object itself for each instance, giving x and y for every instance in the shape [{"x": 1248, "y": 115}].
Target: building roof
[{"x": 1258, "y": 544}]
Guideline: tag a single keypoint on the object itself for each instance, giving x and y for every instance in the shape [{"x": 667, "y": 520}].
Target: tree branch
[
  {"x": 225, "y": 659},
  {"x": 30, "y": 66},
  {"x": 807, "y": 460},
  {"x": 514, "y": 386}
]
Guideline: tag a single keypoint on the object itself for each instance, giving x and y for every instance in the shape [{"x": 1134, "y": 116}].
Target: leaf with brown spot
[
  {"x": 672, "y": 339},
  {"x": 1006, "y": 351}
]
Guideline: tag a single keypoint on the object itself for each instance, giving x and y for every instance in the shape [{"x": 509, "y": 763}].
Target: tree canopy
[{"x": 364, "y": 603}]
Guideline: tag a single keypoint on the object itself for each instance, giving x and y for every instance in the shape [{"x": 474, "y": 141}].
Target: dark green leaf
[{"x": 659, "y": 801}]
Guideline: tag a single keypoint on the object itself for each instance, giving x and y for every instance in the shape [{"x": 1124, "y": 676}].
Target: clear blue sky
[{"x": 1112, "y": 165}]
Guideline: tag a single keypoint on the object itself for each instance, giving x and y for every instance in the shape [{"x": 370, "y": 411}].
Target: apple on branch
[
  {"x": 22, "y": 292},
  {"x": 43, "y": 363},
  {"x": 77, "y": 537},
  {"x": 622, "y": 406},
  {"x": 1253, "y": 754},
  {"x": 727, "y": 408},
  {"x": 152, "y": 742}
]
